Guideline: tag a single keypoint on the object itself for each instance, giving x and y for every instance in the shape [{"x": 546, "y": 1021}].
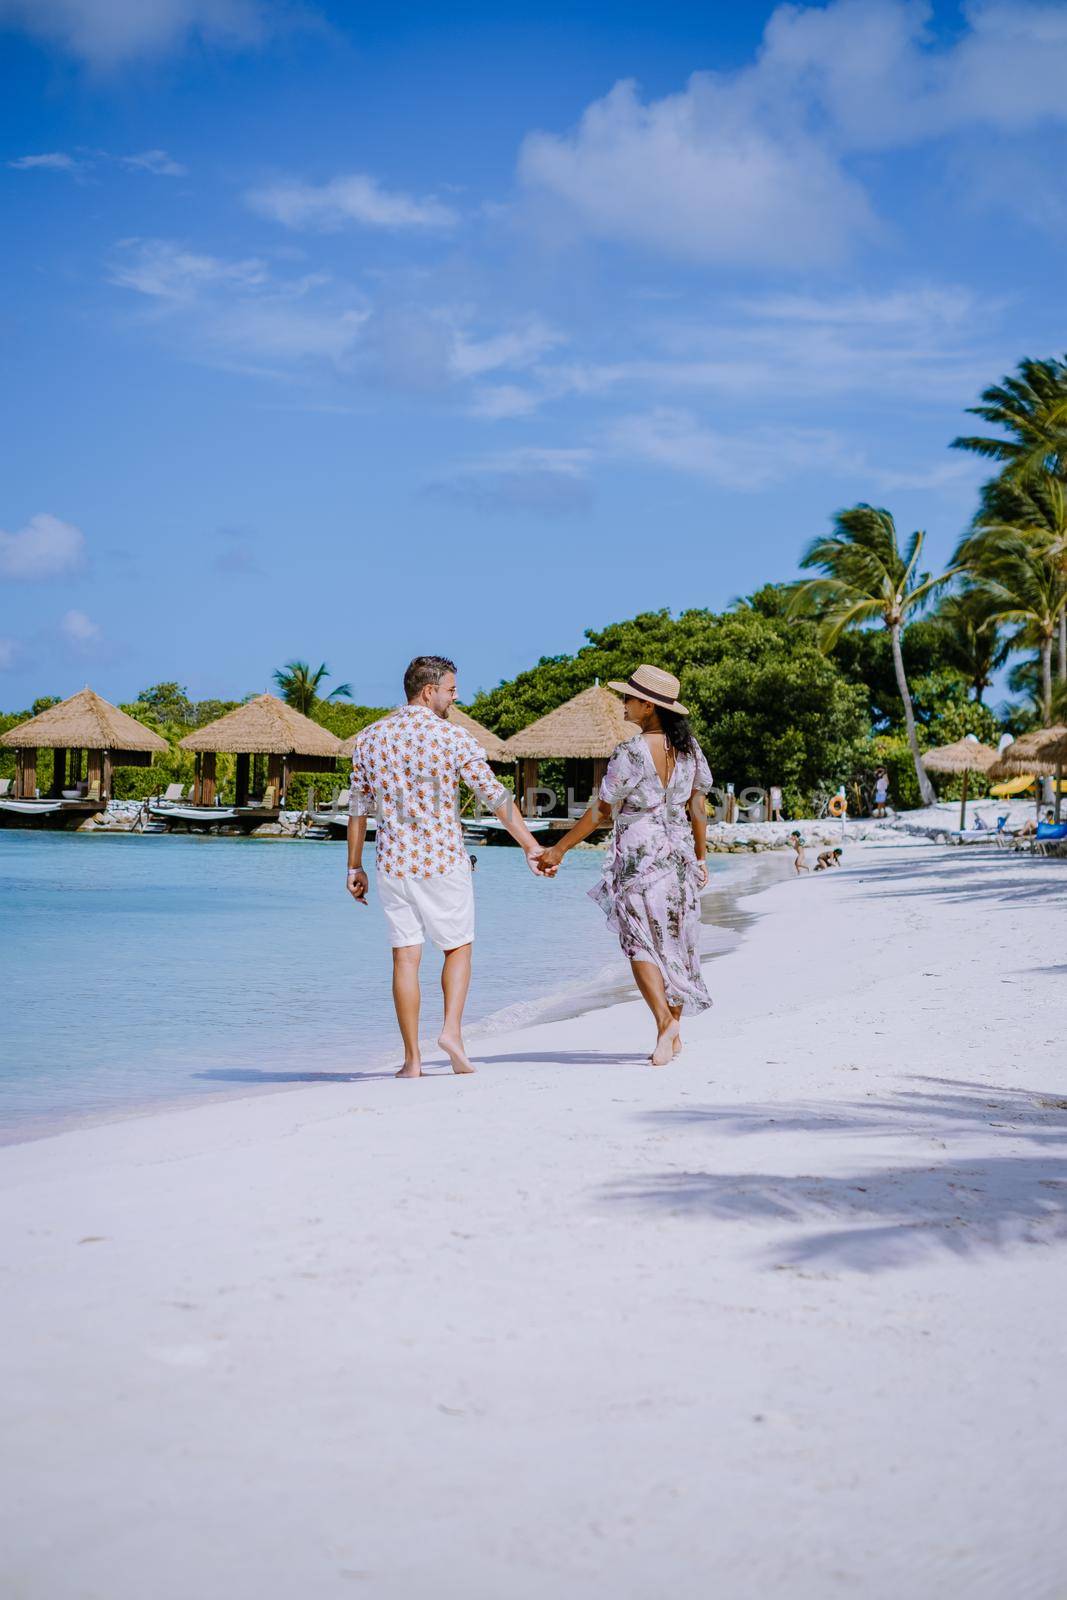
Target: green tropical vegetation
[
  {"x": 301, "y": 688},
  {"x": 866, "y": 662}
]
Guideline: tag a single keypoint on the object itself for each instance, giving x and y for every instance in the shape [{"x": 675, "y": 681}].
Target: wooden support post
[
  {"x": 275, "y": 778},
  {"x": 106, "y": 777},
  {"x": 241, "y": 766},
  {"x": 196, "y": 779},
  {"x": 528, "y": 769},
  {"x": 26, "y": 774},
  {"x": 207, "y": 778},
  {"x": 600, "y": 767},
  {"x": 963, "y": 801},
  {"x": 94, "y": 772},
  {"x": 59, "y": 773}
]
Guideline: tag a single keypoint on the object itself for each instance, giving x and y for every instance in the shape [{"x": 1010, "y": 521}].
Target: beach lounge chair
[
  {"x": 173, "y": 794},
  {"x": 1049, "y": 838},
  {"x": 5, "y": 788}
]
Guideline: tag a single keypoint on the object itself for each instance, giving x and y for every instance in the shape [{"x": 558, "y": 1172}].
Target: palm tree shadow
[{"x": 885, "y": 1215}]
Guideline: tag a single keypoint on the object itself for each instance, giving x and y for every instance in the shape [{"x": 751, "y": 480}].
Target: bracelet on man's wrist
[{"x": 352, "y": 871}]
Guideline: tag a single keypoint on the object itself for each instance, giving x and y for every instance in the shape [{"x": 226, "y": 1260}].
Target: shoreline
[{"x": 722, "y": 922}]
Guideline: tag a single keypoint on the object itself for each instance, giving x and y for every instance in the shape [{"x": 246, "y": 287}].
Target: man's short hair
[{"x": 424, "y": 670}]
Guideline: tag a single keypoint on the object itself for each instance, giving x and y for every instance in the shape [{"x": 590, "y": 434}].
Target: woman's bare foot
[
  {"x": 678, "y": 1045},
  {"x": 452, "y": 1046},
  {"x": 664, "y": 1050},
  {"x": 410, "y": 1069}
]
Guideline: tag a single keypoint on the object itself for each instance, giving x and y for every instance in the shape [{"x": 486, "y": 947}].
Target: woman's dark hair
[{"x": 676, "y": 727}]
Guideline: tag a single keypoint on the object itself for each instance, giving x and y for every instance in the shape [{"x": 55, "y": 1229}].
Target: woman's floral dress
[{"x": 650, "y": 891}]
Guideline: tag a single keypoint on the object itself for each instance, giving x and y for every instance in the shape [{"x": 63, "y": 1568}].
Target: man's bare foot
[
  {"x": 410, "y": 1069},
  {"x": 664, "y": 1050},
  {"x": 453, "y": 1049}
]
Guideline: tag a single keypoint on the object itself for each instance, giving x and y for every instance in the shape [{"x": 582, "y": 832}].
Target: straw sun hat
[{"x": 652, "y": 684}]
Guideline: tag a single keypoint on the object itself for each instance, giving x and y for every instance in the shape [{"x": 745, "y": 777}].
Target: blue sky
[{"x": 344, "y": 335}]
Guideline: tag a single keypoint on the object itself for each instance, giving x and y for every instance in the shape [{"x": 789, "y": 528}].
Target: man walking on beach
[{"x": 407, "y": 768}]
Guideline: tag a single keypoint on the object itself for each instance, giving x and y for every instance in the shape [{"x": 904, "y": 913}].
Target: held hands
[
  {"x": 357, "y": 885},
  {"x": 537, "y": 859},
  {"x": 551, "y": 860}
]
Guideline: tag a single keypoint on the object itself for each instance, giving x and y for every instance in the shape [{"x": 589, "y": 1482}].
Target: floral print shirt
[{"x": 407, "y": 769}]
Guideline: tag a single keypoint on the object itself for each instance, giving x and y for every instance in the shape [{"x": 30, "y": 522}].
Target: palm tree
[
  {"x": 974, "y": 642},
  {"x": 867, "y": 578},
  {"x": 300, "y": 686},
  {"x": 1024, "y": 523},
  {"x": 1032, "y": 410},
  {"x": 1024, "y": 585}
]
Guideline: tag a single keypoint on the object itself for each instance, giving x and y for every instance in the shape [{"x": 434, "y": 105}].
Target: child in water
[
  {"x": 828, "y": 859},
  {"x": 797, "y": 842}
]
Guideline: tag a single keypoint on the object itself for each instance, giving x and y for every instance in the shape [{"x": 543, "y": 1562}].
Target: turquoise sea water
[{"x": 144, "y": 970}]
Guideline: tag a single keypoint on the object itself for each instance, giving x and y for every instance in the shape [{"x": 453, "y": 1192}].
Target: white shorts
[{"x": 440, "y": 908}]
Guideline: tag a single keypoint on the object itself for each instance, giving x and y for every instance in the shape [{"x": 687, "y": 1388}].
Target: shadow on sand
[
  {"x": 982, "y": 875},
  {"x": 884, "y": 1216}
]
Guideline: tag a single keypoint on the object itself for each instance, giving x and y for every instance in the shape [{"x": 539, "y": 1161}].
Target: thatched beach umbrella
[
  {"x": 86, "y": 722},
  {"x": 585, "y": 729},
  {"x": 263, "y": 726},
  {"x": 966, "y": 755},
  {"x": 1040, "y": 753}
]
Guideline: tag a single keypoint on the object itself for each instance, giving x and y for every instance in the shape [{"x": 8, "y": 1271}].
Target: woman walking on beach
[{"x": 655, "y": 787}]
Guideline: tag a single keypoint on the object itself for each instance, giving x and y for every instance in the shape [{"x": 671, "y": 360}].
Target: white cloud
[
  {"x": 496, "y": 401},
  {"x": 51, "y": 161},
  {"x": 924, "y": 343},
  {"x": 158, "y": 162},
  {"x": 698, "y": 175},
  {"x": 753, "y": 166},
  {"x": 515, "y": 349},
  {"x": 355, "y": 197},
  {"x": 876, "y": 71},
  {"x": 45, "y": 548},
  {"x": 8, "y": 651},
  {"x": 432, "y": 349},
  {"x": 79, "y": 630},
  {"x": 168, "y": 271},
  {"x": 106, "y": 33},
  {"x": 746, "y": 461},
  {"x": 537, "y": 481}
]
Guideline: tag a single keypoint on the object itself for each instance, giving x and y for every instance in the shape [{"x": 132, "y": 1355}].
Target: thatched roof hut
[
  {"x": 263, "y": 726},
  {"x": 490, "y": 742},
  {"x": 582, "y": 733},
  {"x": 1034, "y": 752},
  {"x": 587, "y": 727},
  {"x": 966, "y": 755},
  {"x": 86, "y": 722},
  {"x": 1041, "y": 753}
]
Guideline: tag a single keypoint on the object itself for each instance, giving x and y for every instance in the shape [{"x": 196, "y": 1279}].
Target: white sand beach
[{"x": 783, "y": 1320}]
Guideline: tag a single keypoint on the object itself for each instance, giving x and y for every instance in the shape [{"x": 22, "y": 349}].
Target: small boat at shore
[
  {"x": 46, "y": 813},
  {"x": 335, "y": 821},
  {"x": 202, "y": 818}
]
